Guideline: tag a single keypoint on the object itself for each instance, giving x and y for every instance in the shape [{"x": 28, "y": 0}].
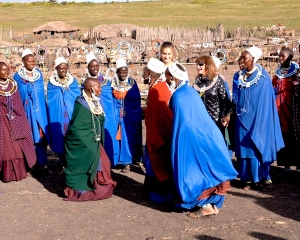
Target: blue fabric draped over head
[
  {"x": 33, "y": 98},
  {"x": 199, "y": 155},
  {"x": 257, "y": 124},
  {"x": 60, "y": 101},
  {"x": 129, "y": 149}
]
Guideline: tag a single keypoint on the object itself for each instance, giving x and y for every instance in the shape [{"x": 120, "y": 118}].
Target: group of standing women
[
  {"x": 191, "y": 130},
  {"x": 196, "y": 128}
]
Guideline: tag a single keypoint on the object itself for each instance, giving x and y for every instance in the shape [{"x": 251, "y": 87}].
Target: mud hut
[
  {"x": 57, "y": 29},
  {"x": 107, "y": 31}
]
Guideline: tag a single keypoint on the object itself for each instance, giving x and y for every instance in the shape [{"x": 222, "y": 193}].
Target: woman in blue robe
[
  {"x": 62, "y": 92},
  {"x": 31, "y": 86},
  {"x": 258, "y": 135},
  {"x": 127, "y": 119},
  {"x": 201, "y": 164}
]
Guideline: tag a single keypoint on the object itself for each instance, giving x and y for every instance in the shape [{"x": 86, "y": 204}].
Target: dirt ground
[{"x": 34, "y": 209}]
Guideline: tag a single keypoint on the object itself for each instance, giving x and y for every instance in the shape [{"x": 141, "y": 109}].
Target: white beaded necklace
[
  {"x": 35, "y": 74},
  {"x": 124, "y": 86},
  {"x": 242, "y": 80},
  {"x": 4, "y": 84},
  {"x": 282, "y": 72}
]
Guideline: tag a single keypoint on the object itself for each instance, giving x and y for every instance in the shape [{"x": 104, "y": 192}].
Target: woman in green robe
[{"x": 87, "y": 165}]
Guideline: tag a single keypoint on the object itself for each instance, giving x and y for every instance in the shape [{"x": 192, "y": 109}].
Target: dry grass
[{"x": 181, "y": 13}]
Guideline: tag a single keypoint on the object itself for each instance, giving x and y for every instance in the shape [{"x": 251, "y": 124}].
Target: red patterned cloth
[
  {"x": 217, "y": 190},
  {"x": 158, "y": 120},
  {"x": 19, "y": 128},
  {"x": 284, "y": 93}
]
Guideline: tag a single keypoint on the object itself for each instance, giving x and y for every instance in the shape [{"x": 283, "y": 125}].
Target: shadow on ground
[{"x": 283, "y": 199}]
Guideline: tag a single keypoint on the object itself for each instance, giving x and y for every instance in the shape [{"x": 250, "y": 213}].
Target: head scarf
[
  {"x": 26, "y": 52},
  {"x": 176, "y": 72},
  {"x": 255, "y": 52},
  {"x": 155, "y": 65}
]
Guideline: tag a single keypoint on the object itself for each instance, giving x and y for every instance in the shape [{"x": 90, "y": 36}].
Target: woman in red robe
[
  {"x": 158, "y": 121},
  {"x": 283, "y": 85}
]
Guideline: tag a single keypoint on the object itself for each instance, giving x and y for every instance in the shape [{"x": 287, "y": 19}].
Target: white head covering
[
  {"x": 255, "y": 52},
  {"x": 26, "y": 52},
  {"x": 59, "y": 60},
  {"x": 217, "y": 61},
  {"x": 121, "y": 63},
  {"x": 155, "y": 65},
  {"x": 90, "y": 57},
  {"x": 176, "y": 72}
]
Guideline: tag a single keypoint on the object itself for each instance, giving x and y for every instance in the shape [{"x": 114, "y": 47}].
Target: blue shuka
[
  {"x": 129, "y": 149},
  {"x": 199, "y": 155},
  {"x": 60, "y": 106},
  {"x": 34, "y": 102},
  {"x": 257, "y": 122}
]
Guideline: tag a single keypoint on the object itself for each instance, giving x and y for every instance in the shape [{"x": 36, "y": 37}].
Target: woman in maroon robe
[{"x": 16, "y": 146}]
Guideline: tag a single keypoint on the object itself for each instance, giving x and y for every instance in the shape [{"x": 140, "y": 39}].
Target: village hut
[
  {"x": 107, "y": 31},
  {"x": 57, "y": 28}
]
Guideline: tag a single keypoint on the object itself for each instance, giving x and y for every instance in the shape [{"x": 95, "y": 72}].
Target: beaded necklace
[
  {"x": 96, "y": 110},
  {"x": 120, "y": 89},
  {"x": 57, "y": 81},
  {"x": 202, "y": 90},
  {"x": 243, "y": 83},
  {"x": 4, "y": 84},
  {"x": 282, "y": 72},
  {"x": 11, "y": 88},
  {"x": 242, "y": 80},
  {"x": 93, "y": 102},
  {"x": 122, "y": 86},
  {"x": 35, "y": 74}
]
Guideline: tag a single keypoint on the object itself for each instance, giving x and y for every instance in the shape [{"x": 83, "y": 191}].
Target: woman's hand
[{"x": 225, "y": 120}]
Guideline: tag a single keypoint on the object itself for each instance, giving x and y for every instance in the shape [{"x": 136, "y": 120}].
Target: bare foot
[
  {"x": 207, "y": 210},
  {"x": 216, "y": 210}
]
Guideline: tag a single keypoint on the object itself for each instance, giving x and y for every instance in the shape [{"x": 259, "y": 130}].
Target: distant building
[{"x": 58, "y": 29}]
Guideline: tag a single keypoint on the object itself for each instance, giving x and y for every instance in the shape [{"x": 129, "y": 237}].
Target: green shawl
[{"x": 81, "y": 149}]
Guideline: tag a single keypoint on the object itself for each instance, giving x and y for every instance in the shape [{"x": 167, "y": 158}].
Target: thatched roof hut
[
  {"x": 106, "y": 31},
  {"x": 56, "y": 28}
]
